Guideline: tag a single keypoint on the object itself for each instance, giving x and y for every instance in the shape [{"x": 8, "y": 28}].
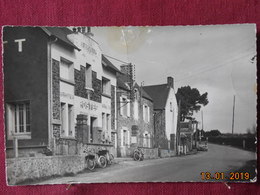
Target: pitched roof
[
  {"x": 109, "y": 65},
  {"x": 144, "y": 93},
  {"x": 159, "y": 94},
  {"x": 61, "y": 33},
  {"x": 122, "y": 84}
]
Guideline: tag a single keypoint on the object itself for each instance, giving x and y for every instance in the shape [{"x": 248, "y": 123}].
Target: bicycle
[
  {"x": 101, "y": 158},
  {"x": 138, "y": 155},
  {"x": 105, "y": 158}
]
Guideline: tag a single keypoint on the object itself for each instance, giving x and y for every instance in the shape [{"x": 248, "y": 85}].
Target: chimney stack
[
  {"x": 127, "y": 69},
  {"x": 170, "y": 82}
]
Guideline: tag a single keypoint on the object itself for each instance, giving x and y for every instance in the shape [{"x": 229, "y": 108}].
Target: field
[{"x": 247, "y": 142}]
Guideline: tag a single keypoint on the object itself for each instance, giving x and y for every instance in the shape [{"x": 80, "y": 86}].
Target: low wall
[
  {"x": 22, "y": 169},
  {"x": 163, "y": 153},
  {"x": 96, "y": 147},
  {"x": 150, "y": 153}
]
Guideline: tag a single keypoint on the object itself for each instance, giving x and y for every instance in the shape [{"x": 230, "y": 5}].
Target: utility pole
[
  {"x": 141, "y": 87},
  {"x": 233, "y": 118}
]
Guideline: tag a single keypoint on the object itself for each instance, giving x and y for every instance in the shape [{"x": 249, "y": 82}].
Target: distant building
[
  {"x": 135, "y": 115},
  {"x": 186, "y": 136},
  {"x": 55, "y": 81},
  {"x": 165, "y": 113}
]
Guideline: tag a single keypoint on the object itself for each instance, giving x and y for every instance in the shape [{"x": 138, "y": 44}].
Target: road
[{"x": 185, "y": 168}]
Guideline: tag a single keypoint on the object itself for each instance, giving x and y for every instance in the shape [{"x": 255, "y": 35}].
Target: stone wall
[
  {"x": 66, "y": 146},
  {"x": 150, "y": 153},
  {"x": 55, "y": 89},
  {"x": 163, "y": 153},
  {"x": 80, "y": 83},
  {"x": 130, "y": 122},
  {"x": 28, "y": 169},
  {"x": 161, "y": 140},
  {"x": 79, "y": 77},
  {"x": 97, "y": 86},
  {"x": 94, "y": 148},
  {"x": 113, "y": 101}
]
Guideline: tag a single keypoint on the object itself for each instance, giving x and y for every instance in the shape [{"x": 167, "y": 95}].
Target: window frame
[
  {"x": 106, "y": 90},
  {"x": 68, "y": 118},
  {"x": 12, "y": 117},
  {"x": 70, "y": 65}
]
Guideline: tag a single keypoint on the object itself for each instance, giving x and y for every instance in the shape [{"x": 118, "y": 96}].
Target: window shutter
[
  {"x": 128, "y": 137},
  {"x": 128, "y": 108},
  {"x": 10, "y": 111},
  {"x": 148, "y": 113},
  {"x": 122, "y": 137}
]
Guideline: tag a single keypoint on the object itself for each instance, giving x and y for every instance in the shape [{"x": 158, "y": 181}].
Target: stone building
[
  {"x": 165, "y": 114},
  {"x": 135, "y": 115},
  {"x": 59, "y": 90}
]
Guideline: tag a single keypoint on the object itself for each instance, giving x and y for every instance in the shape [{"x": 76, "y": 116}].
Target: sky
[{"x": 216, "y": 59}]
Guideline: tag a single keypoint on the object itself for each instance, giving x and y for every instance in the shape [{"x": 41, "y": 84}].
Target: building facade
[
  {"x": 165, "y": 114},
  {"x": 135, "y": 116},
  {"x": 55, "y": 81}
]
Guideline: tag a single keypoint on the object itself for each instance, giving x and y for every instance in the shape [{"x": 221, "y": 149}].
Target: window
[
  {"x": 124, "y": 106},
  {"x": 125, "y": 137},
  {"x": 70, "y": 120},
  {"x": 18, "y": 119},
  {"x": 93, "y": 121},
  {"x": 136, "y": 110},
  {"x": 106, "y": 86},
  {"x": 136, "y": 94},
  {"x": 103, "y": 121},
  {"x": 108, "y": 122},
  {"x": 88, "y": 76},
  {"x": 66, "y": 70},
  {"x": 171, "y": 109},
  {"x": 67, "y": 120},
  {"x": 146, "y": 113},
  {"x": 147, "y": 140}
]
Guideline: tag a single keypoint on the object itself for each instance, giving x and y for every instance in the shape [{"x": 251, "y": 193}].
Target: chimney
[
  {"x": 127, "y": 69},
  {"x": 170, "y": 82}
]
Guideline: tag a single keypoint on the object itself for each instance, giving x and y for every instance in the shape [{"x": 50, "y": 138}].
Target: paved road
[{"x": 186, "y": 168}]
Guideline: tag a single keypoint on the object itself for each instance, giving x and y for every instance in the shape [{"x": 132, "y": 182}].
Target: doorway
[{"x": 93, "y": 121}]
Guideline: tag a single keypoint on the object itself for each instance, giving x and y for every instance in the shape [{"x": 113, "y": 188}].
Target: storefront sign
[{"x": 88, "y": 105}]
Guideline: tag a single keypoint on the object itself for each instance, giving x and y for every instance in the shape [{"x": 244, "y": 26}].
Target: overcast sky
[{"x": 214, "y": 59}]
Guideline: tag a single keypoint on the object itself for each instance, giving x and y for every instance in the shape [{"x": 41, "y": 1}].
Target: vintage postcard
[{"x": 130, "y": 104}]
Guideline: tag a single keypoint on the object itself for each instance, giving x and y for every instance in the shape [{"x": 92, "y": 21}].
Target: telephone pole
[{"x": 233, "y": 118}]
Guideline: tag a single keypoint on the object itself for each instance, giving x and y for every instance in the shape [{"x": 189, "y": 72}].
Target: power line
[
  {"x": 213, "y": 68},
  {"x": 116, "y": 59}
]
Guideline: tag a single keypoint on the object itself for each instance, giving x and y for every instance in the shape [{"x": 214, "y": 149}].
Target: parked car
[{"x": 203, "y": 146}]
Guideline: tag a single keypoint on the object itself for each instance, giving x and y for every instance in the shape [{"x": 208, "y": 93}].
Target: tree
[
  {"x": 252, "y": 130},
  {"x": 191, "y": 100},
  {"x": 212, "y": 133}
]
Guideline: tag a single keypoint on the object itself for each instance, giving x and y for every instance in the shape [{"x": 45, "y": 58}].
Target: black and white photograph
[{"x": 86, "y": 104}]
